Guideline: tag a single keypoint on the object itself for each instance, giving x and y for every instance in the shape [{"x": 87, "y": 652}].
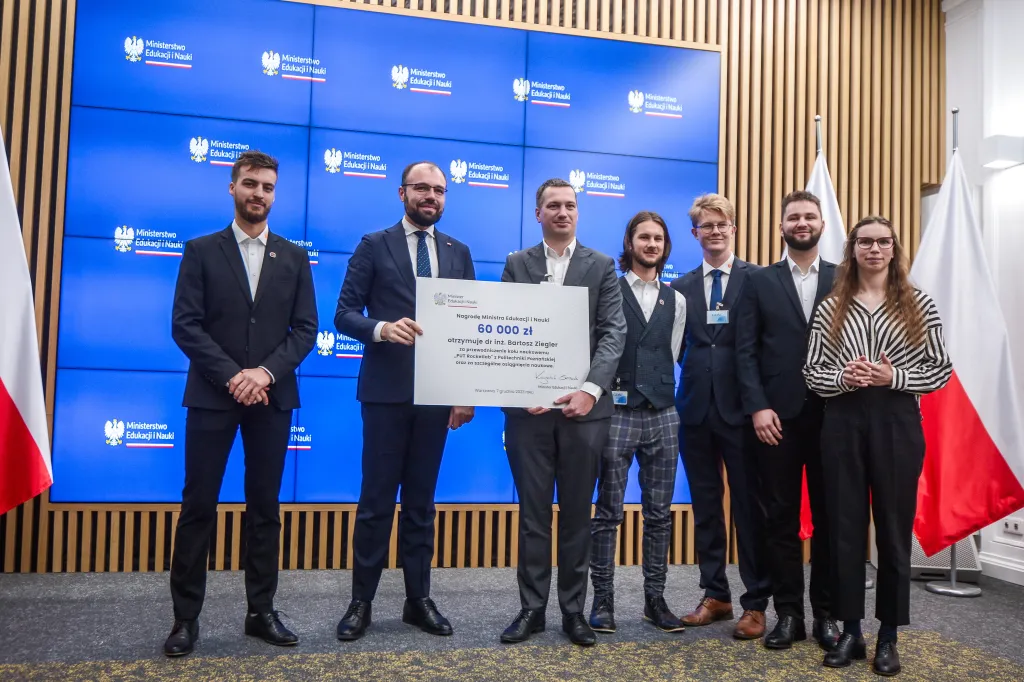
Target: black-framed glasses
[
  {"x": 424, "y": 188},
  {"x": 708, "y": 228},
  {"x": 884, "y": 243}
]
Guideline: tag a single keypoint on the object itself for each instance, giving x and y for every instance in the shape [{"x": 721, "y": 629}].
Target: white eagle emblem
[
  {"x": 440, "y": 298},
  {"x": 114, "y": 431},
  {"x": 124, "y": 236},
  {"x": 636, "y": 101},
  {"x": 271, "y": 63},
  {"x": 458, "y": 168},
  {"x": 400, "y": 76},
  {"x": 199, "y": 146},
  {"x": 133, "y": 48},
  {"x": 332, "y": 159},
  {"x": 578, "y": 180},
  {"x": 521, "y": 88},
  {"x": 325, "y": 343}
]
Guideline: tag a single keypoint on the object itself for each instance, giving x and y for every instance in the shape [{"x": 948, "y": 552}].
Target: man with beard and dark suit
[
  {"x": 402, "y": 442},
  {"x": 245, "y": 316},
  {"x": 714, "y": 427},
  {"x": 562, "y": 446},
  {"x": 771, "y": 347}
]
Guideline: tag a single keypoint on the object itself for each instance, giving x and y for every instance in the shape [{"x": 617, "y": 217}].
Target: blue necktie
[
  {"x": 716, "y": 289},
  {"x": 422, "y": 255}
]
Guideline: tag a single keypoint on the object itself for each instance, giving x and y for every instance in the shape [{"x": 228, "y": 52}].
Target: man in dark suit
[
  {"x": 402, "y": 442},
  {"x": 713, "y": 423},
  {"x": 771, "y": 346},
  {"x": 562, "y": 446},
  {"x": 245, "y": 316}
]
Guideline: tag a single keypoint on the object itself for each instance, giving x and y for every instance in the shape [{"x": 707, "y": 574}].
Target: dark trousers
[
  {"x": 872, "y": 449},
  {"x": 402, "y": 448},
  {"x": 705, "y": 448},
  {"x": 544, "y": 450},
  {"x": 781, "y": 469},
  {"x": 653, "y": 437},
  {"x": 209, "y": 435}
]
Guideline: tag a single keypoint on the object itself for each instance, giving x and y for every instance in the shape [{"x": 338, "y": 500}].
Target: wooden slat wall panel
[{"x": 873, "y": 69}]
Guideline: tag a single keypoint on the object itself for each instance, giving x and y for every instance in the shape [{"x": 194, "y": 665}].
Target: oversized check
[{"x": 501, "y": 344}]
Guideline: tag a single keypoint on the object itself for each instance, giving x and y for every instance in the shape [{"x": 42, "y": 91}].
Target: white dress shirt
[
  {"x": 647, "y": 296},
  {"x": 414, "y": 244},
  {"x": 252, "y": 250},
  {"x": 806, "y": 284},
  {"x": 726, "y": 268}
]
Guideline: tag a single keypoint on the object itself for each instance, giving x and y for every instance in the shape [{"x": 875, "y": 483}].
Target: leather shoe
[
  {"x": 268, "y": 627},
  {"x": 423, "y": 614},
  {"x": 602, "y": 615},
  {"x": 789, "y": 629},
  {"x": 528, "y": 622},
  {"x": 887, "y": 659},
  {"x": 182, "y": 639},
  {"x": 575, "y": 625},
  {"x": 657, "y": 611},
  {"x": 708, "y": 611},
  {"x": 353, "y": 624},
  {"x": 750, "y": 625},
  {"x": 848, "y": 649},
  {"x": 826, "y": 632}
]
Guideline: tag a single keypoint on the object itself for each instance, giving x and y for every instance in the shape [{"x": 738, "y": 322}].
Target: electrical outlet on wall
[{"x": 1013, "y": 526}]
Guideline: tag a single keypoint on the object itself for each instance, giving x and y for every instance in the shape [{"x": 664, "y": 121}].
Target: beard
[
  {"x": 646, "y": 261},
  {"x": 801, "y": 244},
  {"x": 417, "y": 216},
  {"x": 248, "y": 214}
]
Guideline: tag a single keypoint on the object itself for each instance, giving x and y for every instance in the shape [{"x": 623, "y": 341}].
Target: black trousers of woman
[{"x": 872, "y": 449}]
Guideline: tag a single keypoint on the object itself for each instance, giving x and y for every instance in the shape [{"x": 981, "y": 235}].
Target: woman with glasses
[{"x": 875, "y": 347}]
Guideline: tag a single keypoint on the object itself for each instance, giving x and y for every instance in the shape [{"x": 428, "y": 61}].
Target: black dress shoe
[
  {"x": 423, "y": 614},
  {"x": 887, "y": 659},
  {"x": 183, "y": 638},
  {"x": 826, "y": 632},
  {"x": 848, "y": 649},
  {"x": 789, "y": 629},
  {"x": 353, "y": 624},
  {"x": 575, "y": 625},
  {"x": 657, "y": 611},
  {"x": 528, "y": 622},
  {"x": 602, "y": 615},
  {"x": 268, "y": 627}
]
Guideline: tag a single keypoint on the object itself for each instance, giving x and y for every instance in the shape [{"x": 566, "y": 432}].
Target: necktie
[
  {"x": 422, "y": 255},
  {"x": 716, "y": 289}
]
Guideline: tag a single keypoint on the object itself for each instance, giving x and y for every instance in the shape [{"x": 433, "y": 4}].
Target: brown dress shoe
[
  {"x": 750, "y": 625},
  {"x": 709, "y": 611}
]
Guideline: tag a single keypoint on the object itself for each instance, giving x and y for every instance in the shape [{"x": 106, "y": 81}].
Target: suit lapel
[
  {"x": 536, "y": 266},
  {"x": 396, "y": 242},
  {"x": 269, "y": 268},
  {"x": 693, "y": 290},
  {"x": 826, "y": 277},
  {"x": 444, "y": 254},
  {"x": 732, "y": 293},
  {"x": 579, "y": 265},
  {"x": 785, "y": 276},
  {"x": 234, "y": 257}
]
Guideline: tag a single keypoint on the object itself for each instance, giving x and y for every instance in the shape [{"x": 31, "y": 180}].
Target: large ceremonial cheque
[{"x": 499, "y": 344}]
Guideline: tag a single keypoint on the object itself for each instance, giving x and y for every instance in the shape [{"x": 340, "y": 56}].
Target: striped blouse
[{"x": 917, "y": 369}]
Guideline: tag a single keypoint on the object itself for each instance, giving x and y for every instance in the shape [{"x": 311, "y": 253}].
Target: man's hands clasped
[{"x": 249, "y": 386}]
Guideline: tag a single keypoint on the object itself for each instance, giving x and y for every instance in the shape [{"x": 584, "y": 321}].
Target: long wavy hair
[{"x": 900, "y": 300}]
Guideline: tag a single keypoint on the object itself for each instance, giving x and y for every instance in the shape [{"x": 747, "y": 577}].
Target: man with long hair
[{"x": 645, "y": 424}]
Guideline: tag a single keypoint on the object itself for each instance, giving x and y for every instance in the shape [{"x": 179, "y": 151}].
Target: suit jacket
[
  {"x": 771, "y": 340},
  {"x": 709, "y": 351},
  {"x": 596, "y": 271},
  {"x": 222, "y": 329},
  {"x": 380, "y": 280}
]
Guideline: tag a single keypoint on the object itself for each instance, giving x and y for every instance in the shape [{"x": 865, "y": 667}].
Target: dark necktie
[
  {"x": 716, "y": 289},
  {"x": 422, "y": 255}
]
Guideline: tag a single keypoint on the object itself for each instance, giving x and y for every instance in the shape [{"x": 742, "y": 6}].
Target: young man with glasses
[
  {"x": 402, "y": 442},
  {"x": 713, "y": 428}
]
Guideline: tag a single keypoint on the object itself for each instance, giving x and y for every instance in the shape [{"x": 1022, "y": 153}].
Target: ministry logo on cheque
[
  {"x": 133, "y": 48},
  {"x": 271, "y": 63},
  {"x": 578, "y": 180},
  {"x": 332, "y": 160},
  {"x": 400, "y": 76},
  {"x": 124, "y": 236},
  {"x": 325, "y": 343},
  {"x": 459, "y": 169},
  {"x": 198, "y": 148},
  {"x": 114, "y": 432},
  {"x": 521, "y": 89},
  {"x": 636, "y": 101},
  {"x": 440, "y": 298}
]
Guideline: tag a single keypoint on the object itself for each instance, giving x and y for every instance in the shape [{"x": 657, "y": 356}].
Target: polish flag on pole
[
  {"x": 24, "y": 442},
  {"x": 974, "y": 462}
]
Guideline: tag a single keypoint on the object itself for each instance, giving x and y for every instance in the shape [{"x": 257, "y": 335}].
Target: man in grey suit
[{"x": 563, "y": 446}]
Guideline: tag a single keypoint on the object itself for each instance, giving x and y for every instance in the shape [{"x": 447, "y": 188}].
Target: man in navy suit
[
  {"x": 714, "y": 426},
  {"x": 402, "y": 442},
  {"x": 771, "y": 347}
]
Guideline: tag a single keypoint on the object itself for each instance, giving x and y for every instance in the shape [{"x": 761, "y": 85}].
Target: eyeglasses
[
  {"x": 423, "y": 188},
  {"x": 708, "y": 228},
  {"x": 884, "y": 243}
]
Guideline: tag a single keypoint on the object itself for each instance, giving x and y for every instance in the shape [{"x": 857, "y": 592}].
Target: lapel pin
[
  {"x": 661, "y": 301},
  {"x": 448, "y": 243},
  {"x": 273, "y": 254}
]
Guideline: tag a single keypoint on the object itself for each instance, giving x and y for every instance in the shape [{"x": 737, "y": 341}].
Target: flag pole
[
  {"x": 817, "y": 127},
  {"x": 951, "y": 588}
]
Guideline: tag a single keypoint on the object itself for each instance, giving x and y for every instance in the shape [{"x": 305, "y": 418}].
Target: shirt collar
[
  {"x": 632, "y": 278},
  {"x": 412, "y": 229},
  {"x": 726, "y": 267},
  {"x": 569, "y": 250},
  {"x": 793, "y": 267},
  {"x": 242, "y": 236}
]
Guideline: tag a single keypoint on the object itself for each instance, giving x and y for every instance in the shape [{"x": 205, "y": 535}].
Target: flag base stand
[{"x": 951, "y": 588}]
